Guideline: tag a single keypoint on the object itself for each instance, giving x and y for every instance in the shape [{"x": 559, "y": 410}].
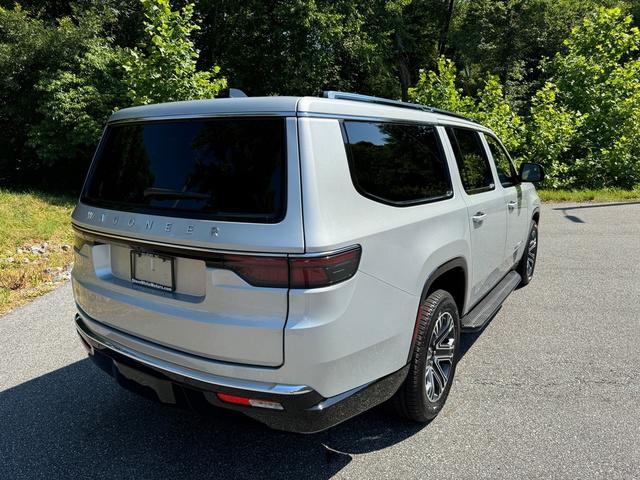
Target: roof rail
[{"x": 356, "y": 97}]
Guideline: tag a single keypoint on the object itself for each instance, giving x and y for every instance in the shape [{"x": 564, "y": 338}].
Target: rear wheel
[
  {"x": 527, "y": 263},
  {"x": 433, "y": 363}
]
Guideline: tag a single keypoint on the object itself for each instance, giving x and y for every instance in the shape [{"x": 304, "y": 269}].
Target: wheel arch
[
  {"x": 536, "y": 215},
  {"x": 452, "y": 276}
]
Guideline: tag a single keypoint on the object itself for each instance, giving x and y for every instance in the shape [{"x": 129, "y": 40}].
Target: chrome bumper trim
[{"x": 207, "y": 378}]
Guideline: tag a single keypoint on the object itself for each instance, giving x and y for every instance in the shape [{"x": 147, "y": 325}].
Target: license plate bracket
[{"x": 152, "y": 270}]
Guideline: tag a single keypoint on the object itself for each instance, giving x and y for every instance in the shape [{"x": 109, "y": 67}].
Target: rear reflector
[
  {"x": 248, "y": 402},
  {"x": 293, "y": 272}
]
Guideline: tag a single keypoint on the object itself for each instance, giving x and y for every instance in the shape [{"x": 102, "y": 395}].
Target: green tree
[
  {"x": 598, "y": 94},
  {"x": 552, "y": 129},
  {"x": 491, "y": 108},
  {"x": 509, "y": 38},
  {"x": 41, "y": 119},
  {"x": 164, "y": 69},
  {"x": 77, "y": 99}
]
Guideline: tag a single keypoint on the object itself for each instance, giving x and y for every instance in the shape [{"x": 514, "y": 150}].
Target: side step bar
[{"x": 477, "y": 318}]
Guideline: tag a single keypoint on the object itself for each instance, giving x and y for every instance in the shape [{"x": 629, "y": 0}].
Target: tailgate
[{"x": 164, "y": 202}]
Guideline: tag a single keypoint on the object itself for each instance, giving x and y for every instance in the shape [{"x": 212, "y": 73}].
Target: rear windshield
[{"x": 222, "y": 169}]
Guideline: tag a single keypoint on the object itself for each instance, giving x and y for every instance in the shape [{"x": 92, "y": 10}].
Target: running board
[{"x": 477, "y": 318}]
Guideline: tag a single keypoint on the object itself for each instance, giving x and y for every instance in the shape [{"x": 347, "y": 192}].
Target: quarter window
[
  {"x": 506, "y": 172},
  {"x": 472, "y": 160},
  {"x": 397, "y": 163}
]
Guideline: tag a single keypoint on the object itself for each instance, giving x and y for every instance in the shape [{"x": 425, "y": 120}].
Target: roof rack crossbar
[{"x": 356, "y": 97}]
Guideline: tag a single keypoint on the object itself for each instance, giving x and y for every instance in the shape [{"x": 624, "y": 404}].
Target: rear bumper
[{"x": 303, "y": 409}]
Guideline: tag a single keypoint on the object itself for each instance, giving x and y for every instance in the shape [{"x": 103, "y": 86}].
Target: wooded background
[{"x": 558, "y": 80}]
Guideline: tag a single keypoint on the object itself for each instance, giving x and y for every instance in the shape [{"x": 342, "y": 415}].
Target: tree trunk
[
  {"x": 404, "y": 74},
  {"x": 444, "y": 32}
]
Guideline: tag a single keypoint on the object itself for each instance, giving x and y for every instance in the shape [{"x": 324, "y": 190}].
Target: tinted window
[
  {"x": 397, "y": 163},
  {"x": 230, "y": 169},
  {"x": 506, "y": 172},
  {"x": 472, "y": 160}
]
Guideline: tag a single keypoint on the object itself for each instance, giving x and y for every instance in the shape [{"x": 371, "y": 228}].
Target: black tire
[
  {"x": 414, "y": 400},
  {"x": 527, "y": 264}
]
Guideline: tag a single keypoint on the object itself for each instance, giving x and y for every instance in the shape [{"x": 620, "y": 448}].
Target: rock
[
  {"x": 62, "y": 276},
  {"x": 11, "y": 260},
  {"x": 65, "y": 248}
]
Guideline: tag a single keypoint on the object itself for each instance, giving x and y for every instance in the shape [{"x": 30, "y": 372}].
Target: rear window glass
[
  {"x": 397, "y": 163},
  {"x": 223, "y": 169}
]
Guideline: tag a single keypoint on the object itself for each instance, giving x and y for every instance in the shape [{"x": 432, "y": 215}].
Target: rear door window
[
  {"x": 472, "y": 160},
  {"x": 399, "y": 164},
  {"x": 506, "y": 171},
  {"x": 222, "y": 169}
]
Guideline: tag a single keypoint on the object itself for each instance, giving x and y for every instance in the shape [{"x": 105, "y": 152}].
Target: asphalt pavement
[{"x": 551, "y": 388}]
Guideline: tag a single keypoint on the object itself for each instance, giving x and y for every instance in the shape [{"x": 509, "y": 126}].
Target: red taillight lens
[
  {"x": 260, "y": 271},
  {"x": 293, "y": 272},
  {"x": 323, "y": 270}
]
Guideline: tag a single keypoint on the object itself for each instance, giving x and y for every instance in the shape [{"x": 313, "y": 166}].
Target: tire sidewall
[{"x": 447, "y": 303}]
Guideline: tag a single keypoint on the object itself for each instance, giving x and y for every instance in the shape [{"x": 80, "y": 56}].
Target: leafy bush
[
  {"x": 164, "y": 69},
  {"x": 30, "y": 50},
  {"x": 586, "y": 120},
  {"x": 75, "y": 101},
  {"x": 489, "y": 107},
  {"x": 60, "y": 82}
]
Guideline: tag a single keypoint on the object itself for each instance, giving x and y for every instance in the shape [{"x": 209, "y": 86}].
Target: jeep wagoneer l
[{"x": 297, "y": 259}]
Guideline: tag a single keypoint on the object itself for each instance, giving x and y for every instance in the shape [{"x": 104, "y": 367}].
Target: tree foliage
[
  {"x": 61, "y": 80},
  {"x": 592, "y": 107},
  {"x": 438, "y": 88},
  {"x": 164, "y": 68},
  {"x": 558, "y": 80}
]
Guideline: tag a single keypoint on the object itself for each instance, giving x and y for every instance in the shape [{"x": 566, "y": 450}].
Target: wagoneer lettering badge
[{"x": 149, "y": 224}]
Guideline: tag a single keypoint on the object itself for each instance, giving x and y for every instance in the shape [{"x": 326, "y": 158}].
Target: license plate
[{"x": 151, "y": 270}]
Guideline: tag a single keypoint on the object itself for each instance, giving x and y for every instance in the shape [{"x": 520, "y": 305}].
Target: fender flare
[
  {"x": 457, "y": 262},
  {"x": 533, "y": 213}
]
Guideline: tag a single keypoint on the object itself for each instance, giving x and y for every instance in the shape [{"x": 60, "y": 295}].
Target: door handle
[
  {"x": 511, "y": 205},
  {"x": 479, "y": 217}
]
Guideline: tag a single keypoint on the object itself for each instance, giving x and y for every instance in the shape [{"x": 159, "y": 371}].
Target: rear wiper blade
[{"x": 177, "y": 194}]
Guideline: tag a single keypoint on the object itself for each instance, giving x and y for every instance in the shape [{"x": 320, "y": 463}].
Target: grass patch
[
  {"x": 35, "y": 244},
  {"x": 597, "y": 195}
]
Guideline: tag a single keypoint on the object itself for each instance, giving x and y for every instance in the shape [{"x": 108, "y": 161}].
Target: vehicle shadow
[
  {"x": 595, "y": 205},
  {"x": 76, "y": 422}
]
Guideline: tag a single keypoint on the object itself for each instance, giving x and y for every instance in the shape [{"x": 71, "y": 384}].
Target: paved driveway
[{"x": 550, "y": 389}]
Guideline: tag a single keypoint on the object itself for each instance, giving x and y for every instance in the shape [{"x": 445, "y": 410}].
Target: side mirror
[{"x": 531, "y": 172}]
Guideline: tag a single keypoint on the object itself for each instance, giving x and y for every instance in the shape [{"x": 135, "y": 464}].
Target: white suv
[{"x": 297, "y": 259}]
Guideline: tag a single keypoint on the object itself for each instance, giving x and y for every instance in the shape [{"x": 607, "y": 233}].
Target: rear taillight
[
  {"x": 321, "y": 271},
  {"x": 294, "y": 272},
  {"x": 259, "y": 271}
]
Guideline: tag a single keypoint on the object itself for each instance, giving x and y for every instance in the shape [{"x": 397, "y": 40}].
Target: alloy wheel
[
  {"x": 532, "y": 251},
  {"x": 440, "y": 356}
]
